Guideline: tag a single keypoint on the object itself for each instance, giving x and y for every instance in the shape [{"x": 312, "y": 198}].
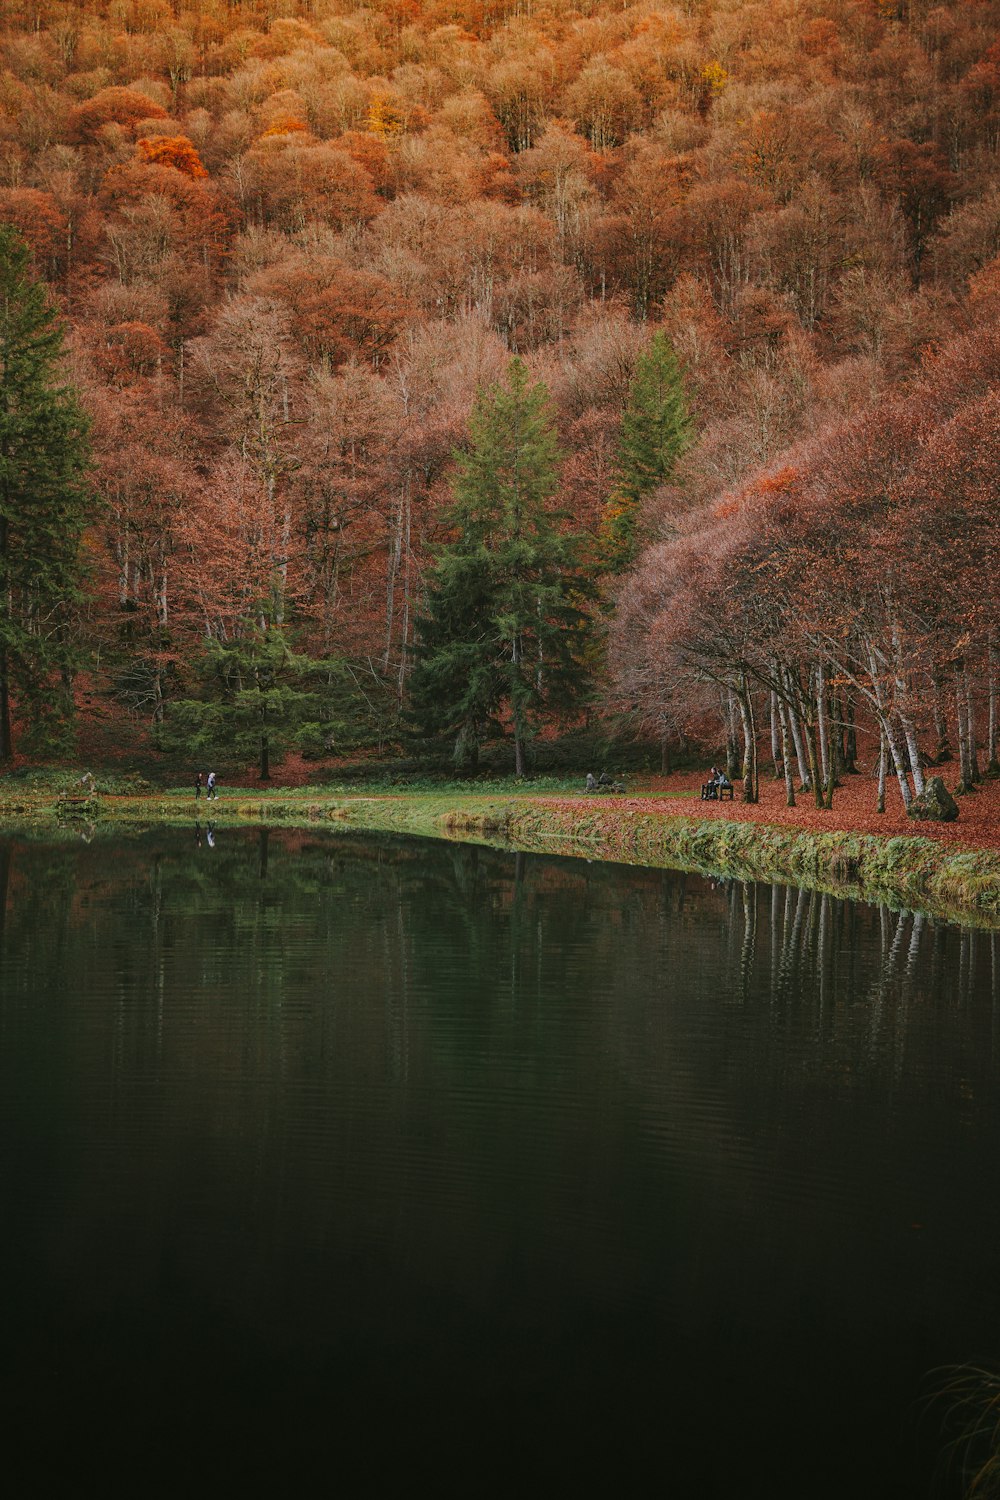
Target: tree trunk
[
  {"x": 882, "y": 759},
  {"x": 851, "y": 736},
  {"x": 732, "y": 753},
  {"x": 516, "y": 709},
  {"x": 825, "y": 765},
  {"x": 395, "y": 557},
  {"x": 892, "y": 738},
  {"x": 900, "y": 763},
  {"x": 970, "y": 710},
  {"x": 964, "y": 760},
  {"x": 815, "y": 775},
  {"x": 912, "y": 750},
  {"x": 466, "y": 752},
  {"x": 942, "y": 749},
  {"x": 664, "y": 750},
  {"x": 265, "y": 748},
  {"x": 777, "y": 754},
  {"x": 786, "y": 759},
  {"x": 749, "y": 745},
  {"x": 835, "y": 729},
  {"x": 793, "y": 722}
]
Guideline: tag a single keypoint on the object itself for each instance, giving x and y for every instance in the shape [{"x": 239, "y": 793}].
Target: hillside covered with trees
[{"x": 468, "y": 367}]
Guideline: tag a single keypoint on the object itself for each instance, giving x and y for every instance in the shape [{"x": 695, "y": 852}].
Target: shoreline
[{"x": 957, "y": 882}]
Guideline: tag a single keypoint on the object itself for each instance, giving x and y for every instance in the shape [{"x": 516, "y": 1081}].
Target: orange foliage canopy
[
  {"x": 171, "y": 151},
  {"x": 115, "y": 106},
  {"x": 37, "y": 217}
]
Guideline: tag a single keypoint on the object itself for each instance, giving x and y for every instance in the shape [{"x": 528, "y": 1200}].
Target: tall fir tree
[
  {"x": 257, "y": 698},
  {"x": 44, "y": 502},
  {"x": 505, "y": 623},
  {"x": 656, "y": 429}
]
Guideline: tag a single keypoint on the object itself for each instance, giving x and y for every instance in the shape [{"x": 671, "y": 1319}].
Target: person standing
[
  {"x": 197, "y": 787},
  {"x": 210, "y": 793}
]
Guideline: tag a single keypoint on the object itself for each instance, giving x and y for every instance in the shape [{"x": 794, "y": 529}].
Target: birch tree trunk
[
  {"x": 749, "y": 744},
  {"x": 793, "y": 723},
  {"x": 786, "y": 759},
  {"x": 912, "y": 750},
  {"x": 815, "y": 775},
  {"x": 889, "y": 731},
  {"x": 732, "y": 758}
]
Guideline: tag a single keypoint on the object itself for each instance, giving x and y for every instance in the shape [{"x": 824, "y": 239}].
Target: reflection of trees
[
  {"x": 523, "y": 931},
  {"x": 430, "y": 953},
  {"x": 305, "y": 1033}
]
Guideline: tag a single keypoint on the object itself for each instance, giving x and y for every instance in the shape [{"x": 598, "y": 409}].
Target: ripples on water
[{"x": 387, "y": 1159}]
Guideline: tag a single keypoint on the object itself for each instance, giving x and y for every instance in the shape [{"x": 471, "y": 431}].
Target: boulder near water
[{"x": 935, "y": 803}]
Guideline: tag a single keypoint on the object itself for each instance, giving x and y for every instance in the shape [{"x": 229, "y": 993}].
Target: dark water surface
[{"x": 383, "y": 1161}]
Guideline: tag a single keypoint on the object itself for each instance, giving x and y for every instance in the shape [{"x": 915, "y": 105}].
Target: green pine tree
[
  {"x": 504, "y": 629},
  {"x": 44, "y": 502},
  {"x": 656, "y": 429},
  {"x": 257, "y": 698}
]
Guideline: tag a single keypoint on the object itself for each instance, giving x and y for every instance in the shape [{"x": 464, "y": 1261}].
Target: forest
[{"x": 470, "y": 371}]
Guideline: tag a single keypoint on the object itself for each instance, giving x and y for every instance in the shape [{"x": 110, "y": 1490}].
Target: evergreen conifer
[
  {"x": 44, "y": 501},
  {"x": 504, "y": 627},
  {"x": 257, "y": 698},
  {"x": 656, "y": 429}
]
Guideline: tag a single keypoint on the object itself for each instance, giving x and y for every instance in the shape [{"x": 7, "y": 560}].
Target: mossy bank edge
[{"x": 945, "y": 880}]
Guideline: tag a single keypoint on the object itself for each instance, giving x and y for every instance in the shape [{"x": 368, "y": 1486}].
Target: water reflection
[{"x": 294, "y": 1124}]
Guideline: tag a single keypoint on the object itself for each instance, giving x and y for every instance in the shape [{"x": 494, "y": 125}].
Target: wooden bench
[{"x": 77, "y": 804}]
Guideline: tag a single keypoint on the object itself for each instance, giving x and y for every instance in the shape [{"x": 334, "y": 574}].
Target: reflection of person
[
  {"x": 211, "y": 793},
  {"x": 197, "y": 786},
  {"x": 210, "y": 836},
  {"x": 197, "y": 834}
]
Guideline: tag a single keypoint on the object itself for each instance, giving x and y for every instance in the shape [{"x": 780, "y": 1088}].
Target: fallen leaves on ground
[{"x": 853, "y": 810}]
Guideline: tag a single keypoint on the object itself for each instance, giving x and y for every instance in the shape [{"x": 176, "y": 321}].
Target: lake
[{"x": 390, "y": 1160}]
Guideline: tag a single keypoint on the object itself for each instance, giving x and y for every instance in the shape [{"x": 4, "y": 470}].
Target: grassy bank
[{"x": 958, "y": 883}]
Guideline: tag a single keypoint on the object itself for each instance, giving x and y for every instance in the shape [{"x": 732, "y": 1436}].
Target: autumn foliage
[
  {"x": 172, "y": 151},
  {"x": 291, "y": 248}
]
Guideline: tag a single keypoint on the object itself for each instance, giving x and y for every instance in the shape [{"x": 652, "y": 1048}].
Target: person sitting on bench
[{"x": 717, "y": 783}]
